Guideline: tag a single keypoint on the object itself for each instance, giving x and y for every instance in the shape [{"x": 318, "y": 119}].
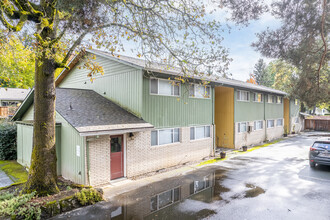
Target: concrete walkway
[{"x": 4, "y": 179}]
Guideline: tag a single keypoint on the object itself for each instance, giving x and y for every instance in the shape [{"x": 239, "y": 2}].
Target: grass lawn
[{"x": 16, "y": 172}]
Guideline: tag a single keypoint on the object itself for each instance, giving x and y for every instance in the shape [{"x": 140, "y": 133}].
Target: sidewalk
[{"x": 4, "y": 179}]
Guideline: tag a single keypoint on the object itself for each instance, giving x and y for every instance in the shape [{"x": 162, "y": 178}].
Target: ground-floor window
[
  {"x": 164, "y": 199},
  {"x": 297, "y": 120},
  {"x": 270, "y": 123},
  {"x": 200, "y": 185},
  {"x": 200, "y": 132},
  {"x": 165, "y": 136},
  {"x": 242, "y": 127},
  {"x": 258, "y": 125},
  {"x": 279, "y": 122}
]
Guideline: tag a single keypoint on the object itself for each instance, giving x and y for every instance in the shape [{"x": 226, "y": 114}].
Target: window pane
[
  {"x": 165, "y": 87},
  {"x": 165, "y": 199},
  {"x": 200, "y": 91},
  {"x": 199, "y": 185},
  {"x": 207, "y": 131},
  {"x": 176, "y": 135},
  {"x": 200, "y": 132},
  {"x": 208, "y": 92},
  {"x": 165, "y": 136},
  {"x": 153, "y": 138},
  {"x": 243, "y": 127},
  {"x": 154, "y": 86},
  {"x": 239, "y": 127},
  {"x": 176, "y": 194},
  {"x": 192, "y": 133},
  {"x": 153, "y": 204},
  {"x": 176, "y": 89},
  {"x": 192, "y": 90},
  {"x": 255, "y": 125}
]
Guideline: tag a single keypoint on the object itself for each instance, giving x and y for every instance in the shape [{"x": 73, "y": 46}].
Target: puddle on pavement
[
  {"x": 254, "y": 191},
  {"x": 189, "y": 196}
]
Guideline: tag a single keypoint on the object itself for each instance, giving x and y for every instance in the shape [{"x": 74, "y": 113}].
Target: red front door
[{"x": 117, "y": 156}]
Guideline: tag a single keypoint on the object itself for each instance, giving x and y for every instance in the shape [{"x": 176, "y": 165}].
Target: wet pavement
[{"x": 274, "y": 182}]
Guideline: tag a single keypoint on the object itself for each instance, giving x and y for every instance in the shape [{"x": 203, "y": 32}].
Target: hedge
[{"x": 8, "y": 148}]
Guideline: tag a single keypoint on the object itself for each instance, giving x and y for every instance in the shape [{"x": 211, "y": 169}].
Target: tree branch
[{"x": 324, "y": 5}]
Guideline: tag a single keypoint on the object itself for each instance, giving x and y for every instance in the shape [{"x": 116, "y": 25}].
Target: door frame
[{"x": 124, "y": 154}]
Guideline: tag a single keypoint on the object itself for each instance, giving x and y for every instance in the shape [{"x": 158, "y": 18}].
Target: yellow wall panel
[
  {"x": 224, "y": 116},
  {"x": 286, "y": 115}
]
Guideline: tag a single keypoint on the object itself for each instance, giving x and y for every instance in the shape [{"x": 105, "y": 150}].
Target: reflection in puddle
[
  {"x": 168, "y": 199},
  {"x": 254, "y": 191}
]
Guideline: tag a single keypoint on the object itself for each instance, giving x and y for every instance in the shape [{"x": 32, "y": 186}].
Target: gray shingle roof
[
  {"x": 13, "y": 94},
  {"x": 88, "y": 111},
  {"x": 156, "y": 67}
]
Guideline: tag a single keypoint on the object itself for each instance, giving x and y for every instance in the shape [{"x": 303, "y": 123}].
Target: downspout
[
  {"x": 88, "y": 165},
  {"x": 265, "y": 118},
  {"x": 213, "y": 118}
]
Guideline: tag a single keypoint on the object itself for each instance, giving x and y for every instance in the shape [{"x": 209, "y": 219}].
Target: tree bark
[{"x": 42, "y": 174}]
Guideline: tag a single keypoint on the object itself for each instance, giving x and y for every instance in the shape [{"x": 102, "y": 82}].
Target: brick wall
[
  {"x": 143, "y": 158},
  {"x": 249, "y": 139},
  {"x": 99, "y": 160}
]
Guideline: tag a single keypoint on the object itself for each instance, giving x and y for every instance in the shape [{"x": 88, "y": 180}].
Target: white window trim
[
  {"x": 263, "y": 97},
  {"x": 173, "y": 202},
  {"x": 172, "y": 136},
  {"x": 195, "y": 132},
  {"x": 168, "y": 83},
  {"x": 239, "y": 124},
  {"x": 270, "y": 120},
  {"x": 271, "y": 99},
  {"x": 249, "y": 96},
  {"x": 194, "y": 97},
  {"x": 280, "y": 101},
  {"x": 262, "y": 122},
  {"x": 281, "y": 124}
]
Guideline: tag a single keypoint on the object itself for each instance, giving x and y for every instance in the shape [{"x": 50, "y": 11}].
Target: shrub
[
  {"x": 19, "y": 206},
  {"x": 88, "y": 196},
  {"x": 8, "y": 146}
]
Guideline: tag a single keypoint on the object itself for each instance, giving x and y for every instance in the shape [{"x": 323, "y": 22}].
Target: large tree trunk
[{"x": 42, "y": 173}]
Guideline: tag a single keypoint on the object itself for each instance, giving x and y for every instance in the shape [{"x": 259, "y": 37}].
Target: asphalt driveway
[{"x": 274, "y": 182}]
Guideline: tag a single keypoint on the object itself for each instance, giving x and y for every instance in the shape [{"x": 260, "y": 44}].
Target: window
[
  {"x": 200, "y": 132},
  {"x": 279, "y": 100},
  {"x": 296, "y": 101},
  {"x": 270, "y": 123},
  {"x": 165, "y": 136},
  {"x": 200, "y": 185},
  {"x": 243, "y": 96},
  {"x": 279, "y": 122},
  {"x": 199, "y": 91},
  {"x": 257, "y": 97},
  {"x": 242, "y": 127},
  {"x": 271, "y": 99},
  {"x": 297, "y": 120},
  {"x": 258, "y": 125},
  {"x": 164, "y": 87},
  {"x": 164, "y": 199}
]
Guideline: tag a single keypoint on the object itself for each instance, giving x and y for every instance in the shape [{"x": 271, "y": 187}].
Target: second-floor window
[
  {"x": 164, "y": 87},
  {"x": 279, "y": 99},
  {"x": 296, "y": 101},
  {"x": 199, "y": 91},
  {"x": 271, "y": 99},
  {"x": 257, "y": 97},
  {"x": 165, "y": 136},
  {"x": 243, "y": 96}
]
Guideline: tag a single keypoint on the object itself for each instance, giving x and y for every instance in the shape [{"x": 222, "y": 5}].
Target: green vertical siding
[
  {"x": 120, "y": 83},
  {"x": 25, "y": 145},
  {"x": 294, "y": 109},
  {"x": 72, "y": 166},
  {"x": 274, "y": 110},
  {"x": 169, "y": 111},
  {"x": 248, "y": 111},
  {"x": 28, "y": 114}
]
